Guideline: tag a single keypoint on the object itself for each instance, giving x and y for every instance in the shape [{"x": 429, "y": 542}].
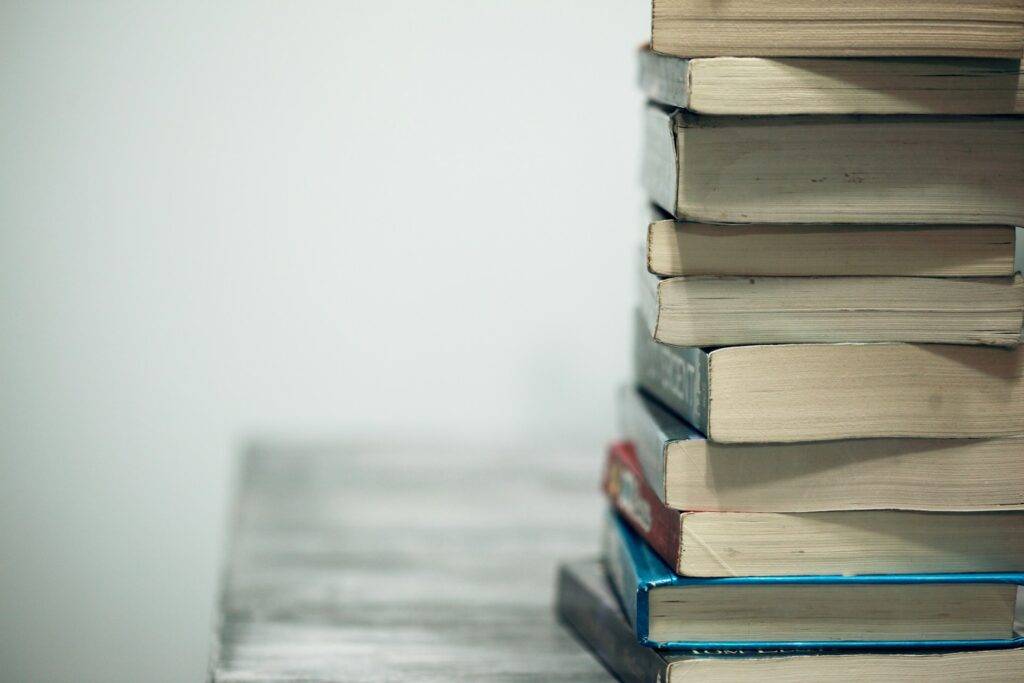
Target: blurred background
[{"x": 219, "y": 221}]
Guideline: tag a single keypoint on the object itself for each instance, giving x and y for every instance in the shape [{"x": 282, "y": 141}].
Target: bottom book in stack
[{"x": 586, "y": 603}]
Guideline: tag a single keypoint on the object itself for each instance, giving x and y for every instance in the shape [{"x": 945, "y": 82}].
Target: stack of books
[{"x": 821, "y": 472}]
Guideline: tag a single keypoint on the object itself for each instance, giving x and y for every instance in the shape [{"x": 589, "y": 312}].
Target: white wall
[{"x": 399, "y": 219}]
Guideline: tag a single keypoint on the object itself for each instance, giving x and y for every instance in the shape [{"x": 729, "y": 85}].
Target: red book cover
[{"x": 636, "y": 501}]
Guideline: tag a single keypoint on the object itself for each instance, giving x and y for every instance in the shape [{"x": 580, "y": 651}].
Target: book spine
[
  {"x": 660, "y": 169},
  {"x": 675, "y": 375},
  {"x": 665, "y": 79},
  {"x": 597, "y": 620},
  {"x": 633, "y": 497},
  {"x": 639, "y": 428},
  {"x": 1018, "y": 238},
  {"x": 622, "y": 574}
]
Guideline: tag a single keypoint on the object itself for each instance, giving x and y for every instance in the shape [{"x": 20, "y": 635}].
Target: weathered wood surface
[{"x": 356, "y": 563}]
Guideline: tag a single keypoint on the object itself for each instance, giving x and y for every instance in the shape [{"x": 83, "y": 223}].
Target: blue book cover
[
  {"x": 587, "y": 605},
  {"x": 635, "y": 571}
]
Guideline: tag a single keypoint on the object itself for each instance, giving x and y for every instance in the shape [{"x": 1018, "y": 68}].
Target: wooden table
[{"x": 361, "y": 563}]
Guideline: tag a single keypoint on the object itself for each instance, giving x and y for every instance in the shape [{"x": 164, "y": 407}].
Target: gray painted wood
[{"x": 356, "y": 563}]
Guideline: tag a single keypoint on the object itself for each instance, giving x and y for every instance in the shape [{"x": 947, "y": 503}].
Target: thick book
[
  {"x": 711, "y": 310},
  {"x": 816, "y": 392},
  {"x": 843, "y": 28},
  {"x": 875, "y": 612},
  {"x": 835, "y": 169},
  {"x": 679, "y": 248},
  {"x": 688, "y": 472},
  {"x": 586, "y": 604},
  {"x": 759, "y": 86},
  {"x": 709, "y": 544}
]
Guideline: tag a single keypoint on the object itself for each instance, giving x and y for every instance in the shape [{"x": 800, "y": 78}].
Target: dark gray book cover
[
  {"x": 586, "y": 604},
  {"x": 675, "y": 375}
]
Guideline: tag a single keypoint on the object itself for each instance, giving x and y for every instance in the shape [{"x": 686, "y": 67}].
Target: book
[
  {"x": 586, "y": 604},
  {"x": 677, "y": 248},
  {"x": 760, "y": 86},
  {"x": 707, "y": 544},
  {"x": 865, "y": 28},
  {"x": 835, "y": 169},
  {"x": 688, "y": 472},
  {"x": 816, "y": 392},
  {"x": 881, "y": 611},
  {"x": 707, "y": 310}
]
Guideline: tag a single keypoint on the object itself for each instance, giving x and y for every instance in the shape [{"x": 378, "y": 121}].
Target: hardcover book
[
  {"x": 678, "y": 248},
  {"x": 710, "y": 544},
  {"x": 688, "y": 472},
  {"x": 755, "y": 86},
  {"x": 586, "y": 604},
  {"x": 835, "y": 169},
  {"x": 864, "y": 28},
  {"x": 706, "y": 310},
  {"x": 876, "y": 612},
  {"x": 815, "y": 392}
]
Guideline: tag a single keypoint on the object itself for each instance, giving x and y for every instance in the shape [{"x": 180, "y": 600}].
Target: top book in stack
[{"x": 840, "y": 28}]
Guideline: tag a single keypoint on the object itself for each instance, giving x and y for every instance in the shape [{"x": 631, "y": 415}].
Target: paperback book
[
  {"x": 686, "y": 471},
  {"x": 866, "y": 28},
  {"x": 759, "y": 86},
  {"x": 716, "y": 544},
  {"x": 679, "y": 248},
  {"x": 769, "y": 393},
  {"x": 835, "y": 169},
  {"x": 715, "y": 310},
  {"x": 586, "y": 604},
  {"x": 882, "y": 612}
]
